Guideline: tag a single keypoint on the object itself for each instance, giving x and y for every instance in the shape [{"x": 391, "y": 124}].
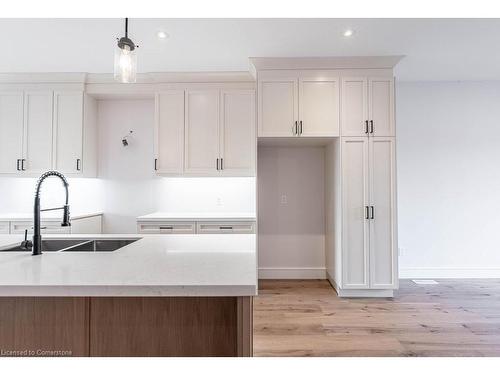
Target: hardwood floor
[{"x": 306, "y": 318}]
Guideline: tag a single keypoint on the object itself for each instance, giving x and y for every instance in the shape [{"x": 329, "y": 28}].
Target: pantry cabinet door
[
  {"x": 11, "y": 131},
  {"x": 38, "y": 131},
  {"x": 355, "y": 225},
  {"x": 319, "y": 107},
  {"x": 354, "y": 106},
  {"x": 237, "y": 132},
  {"x": 383, "y": 256},
  {"x": 169, "y": 132},
  {"x": 68, "y": 129},
  {"x": 381, "y": 106},
  {"x": 278, "y": 107},
  {"x": 202, "y": 132}
]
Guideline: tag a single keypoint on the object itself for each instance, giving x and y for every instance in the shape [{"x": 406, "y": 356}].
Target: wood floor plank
[{"x": 307, "y": 318}]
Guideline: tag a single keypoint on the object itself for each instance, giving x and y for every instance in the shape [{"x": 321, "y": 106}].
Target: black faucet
[{"x": 37, "y": 237}]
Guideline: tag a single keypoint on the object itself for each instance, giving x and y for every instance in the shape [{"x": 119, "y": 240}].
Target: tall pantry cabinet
[{"x": 347, "y": 106}]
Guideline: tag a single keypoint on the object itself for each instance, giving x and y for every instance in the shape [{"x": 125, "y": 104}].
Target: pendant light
[{"x": 126, "y": 59}]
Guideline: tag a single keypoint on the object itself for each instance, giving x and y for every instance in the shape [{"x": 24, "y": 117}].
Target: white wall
[
  {"x": 291, "y": 233},
  {"x": 448, "y": 150},
  {"x": 130, "y": 186}
]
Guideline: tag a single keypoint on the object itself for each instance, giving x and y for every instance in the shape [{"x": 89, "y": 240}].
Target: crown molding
[
  {"x": 332, "y": 62},
  {"x": 29, "y": 78}
]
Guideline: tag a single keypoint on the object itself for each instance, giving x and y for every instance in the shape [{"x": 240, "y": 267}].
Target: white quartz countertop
[
  {"x": 198, "y": 216},
  {"x": 155, "y": 265},
  {"x": 47, "y": 216}
]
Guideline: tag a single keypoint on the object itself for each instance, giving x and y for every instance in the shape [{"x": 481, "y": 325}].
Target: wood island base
[{"x": 126, "y": 326}]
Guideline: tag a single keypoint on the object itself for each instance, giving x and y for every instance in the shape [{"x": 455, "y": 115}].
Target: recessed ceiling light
[
  {"x": 347, "y": 33},
  {"x": 162, "y": 35}
]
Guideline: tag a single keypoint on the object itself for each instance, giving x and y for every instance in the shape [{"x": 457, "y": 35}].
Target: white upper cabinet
[
  {"x": 11, "y": 131},
  {"x": 38, "y": 110},
  {"x": 202, "y": 131},
  {"x": 205, "y": 132},
  {"x": 278, "y": 107},
  {"x": 299, "y": 104},
  {"x": 45, "y": 129},
  {"x": 237, "y": 132},
  {"x": 368, "y": 106},
  {"x": 381, "y": 106},
  {"x": 319, "y": 101},
  {"x": 354, "y": 106},
  {"x": 383, "y": 260},
  {"x": 169, "y": 132},
  {"x": 68, "y": 129}
]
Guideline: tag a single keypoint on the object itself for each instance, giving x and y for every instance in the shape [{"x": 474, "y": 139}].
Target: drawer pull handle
[
  {"x": 167, "y": 227},
  {"x": 225, "y": 227}
]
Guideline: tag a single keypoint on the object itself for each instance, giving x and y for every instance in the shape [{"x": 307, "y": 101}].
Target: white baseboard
[
  {"x": 449, "y": 273},
  {"x": 292, "y": 273}
]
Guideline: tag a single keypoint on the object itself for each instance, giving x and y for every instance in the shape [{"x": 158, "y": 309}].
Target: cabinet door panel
[
  {"x": 237, "y": 132},
  {"x": 169, "y": 132},
  {"x": 11, "y": 131},
  {"x": 381, "y": 106},
  {"x": 355, "y": 226},
  {"x": 354, "y": 106},
  {"x": 278, "y": 107},
  {"x": 202, "y": 131},
  {"x": 68, "y": 126},
  {"x": 38, "y": 131},
  {"x": 319, "y": 107},
  {"x": 383, "y": 267}
]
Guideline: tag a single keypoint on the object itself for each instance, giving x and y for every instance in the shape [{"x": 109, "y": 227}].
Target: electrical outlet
[
  {"x": 283, "y": 199},
  {"x": 219, "y": 201}
]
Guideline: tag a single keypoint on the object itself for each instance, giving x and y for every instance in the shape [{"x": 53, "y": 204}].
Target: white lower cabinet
[
  {"x": 225, "y": 227},
  {"x": 369, "y": 260},
  {"x": 86, "y": 225},
  {"x": 166, "y": 227},
  {"x": 4, "y": 227},
  {"x": 192, "y": 227}
]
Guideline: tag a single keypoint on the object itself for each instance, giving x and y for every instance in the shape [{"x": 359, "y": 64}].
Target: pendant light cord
[{"x": 126, "y": 27}]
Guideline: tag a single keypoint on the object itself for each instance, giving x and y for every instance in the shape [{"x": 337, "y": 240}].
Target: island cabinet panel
[
  {"x": 174, "y": 326},
  {"x": 44, "y": 326}
]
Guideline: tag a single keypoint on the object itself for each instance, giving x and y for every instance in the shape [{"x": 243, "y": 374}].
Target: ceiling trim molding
[
  {"x": 332, "y": 62},
  {"x": 177, "y": 77},
  {"x": 43, "y": 77}
]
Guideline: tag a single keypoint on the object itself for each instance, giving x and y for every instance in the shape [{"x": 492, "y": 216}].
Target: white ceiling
[{"x": 435, "y": 49}]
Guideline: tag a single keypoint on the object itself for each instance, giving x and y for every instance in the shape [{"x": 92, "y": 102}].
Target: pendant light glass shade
[
  {"x": 125, "y": 59},
  {"x": 125, "y": 64}
]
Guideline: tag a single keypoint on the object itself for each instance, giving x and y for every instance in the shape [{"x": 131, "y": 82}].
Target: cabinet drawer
[
  {"x": 4, "y": 227},
  {"x": 48, "y": 227},
  {"x": 226, "y": 227},
  {"x": 166, "y": 227}
]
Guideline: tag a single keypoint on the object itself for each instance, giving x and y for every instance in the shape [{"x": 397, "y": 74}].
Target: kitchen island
[{"x": 176, "y": 295}]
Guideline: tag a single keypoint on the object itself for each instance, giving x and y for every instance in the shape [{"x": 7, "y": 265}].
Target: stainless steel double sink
[{"x": 90, "y": 245}]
